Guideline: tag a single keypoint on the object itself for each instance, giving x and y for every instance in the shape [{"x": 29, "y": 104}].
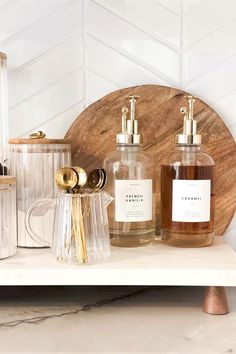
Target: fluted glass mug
[
  {"x": 81, "y": 231},
  {"x": 34, "y": 161}
]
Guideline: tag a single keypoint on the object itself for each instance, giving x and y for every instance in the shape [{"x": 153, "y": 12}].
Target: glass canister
[
  {"x": 8, "y": 229},
  {"x": 3, "y": 114},
  {"x": 34, "y": 161}
]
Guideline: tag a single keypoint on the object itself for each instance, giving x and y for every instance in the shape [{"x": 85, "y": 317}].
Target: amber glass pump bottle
[
  {"x": 130, "y": 180},
  {"x": 187, "y": 189}
]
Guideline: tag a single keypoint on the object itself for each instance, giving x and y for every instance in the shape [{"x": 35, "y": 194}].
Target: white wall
[{"x": 65, "y": 54}]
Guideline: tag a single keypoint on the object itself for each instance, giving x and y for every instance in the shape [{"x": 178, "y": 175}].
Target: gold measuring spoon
[
  {"x": 66, "y": 178},
  {"x": 71, "y": 178},
  {"x": 81, "y": 176},
  {"x": 96, "y": 179}
]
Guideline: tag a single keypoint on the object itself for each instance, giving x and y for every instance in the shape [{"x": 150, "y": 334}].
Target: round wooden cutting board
[{"x": 93, "y": 135}]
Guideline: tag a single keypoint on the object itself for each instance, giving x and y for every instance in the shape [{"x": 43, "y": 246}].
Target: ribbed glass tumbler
[{"x": 81, "y": 232}]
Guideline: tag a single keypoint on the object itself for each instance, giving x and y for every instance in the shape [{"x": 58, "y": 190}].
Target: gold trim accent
[{"x": 183, "y": 139}]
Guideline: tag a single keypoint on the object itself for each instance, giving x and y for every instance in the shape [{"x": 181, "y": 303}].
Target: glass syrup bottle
[
  {"x": 187, "y": 189},
  {"x": 130, "y": 173}
]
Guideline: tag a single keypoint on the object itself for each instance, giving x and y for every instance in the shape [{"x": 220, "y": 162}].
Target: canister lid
[
  {"x": 38, "y": 138},
  {"x": 7, "y": 180}
]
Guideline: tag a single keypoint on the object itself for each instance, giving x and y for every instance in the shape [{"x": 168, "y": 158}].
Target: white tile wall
[{"x": 65, "y": 54}]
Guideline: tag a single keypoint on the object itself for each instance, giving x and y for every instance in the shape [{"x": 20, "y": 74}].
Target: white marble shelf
[{"x": 156, "y": 264}]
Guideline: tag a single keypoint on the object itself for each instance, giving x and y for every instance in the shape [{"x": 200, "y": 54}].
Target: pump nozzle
[
  {"x": 189, "y": 136},
  {"x": 132, "y": 100},
  {"x": 129, "y": 133},
  {"x": 124, "y": 111}
]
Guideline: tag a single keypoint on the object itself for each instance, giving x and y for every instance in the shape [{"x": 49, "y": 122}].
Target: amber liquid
[{"x": 185, "y": 234}]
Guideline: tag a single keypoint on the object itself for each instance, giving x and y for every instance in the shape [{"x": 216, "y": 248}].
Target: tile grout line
[
  {"x": 223, "y": 96},
  {"x": 166, "y": 44},
  {"x": 45, "y": 89},
  {"x": 192, "y": 81},
  {"x": 53, "y": 117},
  {"x": 167, "y": 9},
  {"x": 90, "y": 69},
  {"x": 9, "y": 39},
  {"x": 194, "y": 7},
  {"x": 44, "y": 54},
  {"x": 142, "y": 65},
  {"x": 189, "y": 47}
]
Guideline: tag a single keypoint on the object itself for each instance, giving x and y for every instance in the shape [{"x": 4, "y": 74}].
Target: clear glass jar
[
  {"x": 35, "y": 162},
  {"x": 3, "y": 114},
  {"x": 187, "y": 197},
  {"x": 8, "y": 229},
  {"x": 131, "y": 215}
]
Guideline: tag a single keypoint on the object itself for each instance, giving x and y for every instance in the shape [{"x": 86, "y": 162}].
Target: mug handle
[
  {"x": 28, "y": 226},
  {"x": 107, "y": 198}
]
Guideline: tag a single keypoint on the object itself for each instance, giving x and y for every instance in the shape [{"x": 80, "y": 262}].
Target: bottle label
[
  {"x": 133, "y": 200},
  {"x": 191, "y": 200}
]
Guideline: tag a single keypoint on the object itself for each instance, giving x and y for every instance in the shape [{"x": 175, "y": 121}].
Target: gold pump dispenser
[
  {"x": 189, "y": 136},
  {"x": 129, "y": 133},
  {"x": 131, "y": 182}
]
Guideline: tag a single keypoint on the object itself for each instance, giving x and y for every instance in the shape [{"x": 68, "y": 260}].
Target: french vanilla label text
[{"x": 133, "y": 200}]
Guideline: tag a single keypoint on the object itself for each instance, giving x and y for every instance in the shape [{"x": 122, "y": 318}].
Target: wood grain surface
[
  {"x": 93, "y": 133},
  {"x": 40, "y": 141}
]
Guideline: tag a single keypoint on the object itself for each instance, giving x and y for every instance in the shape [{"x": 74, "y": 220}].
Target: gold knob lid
[{"x": 37, "y": 135}]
